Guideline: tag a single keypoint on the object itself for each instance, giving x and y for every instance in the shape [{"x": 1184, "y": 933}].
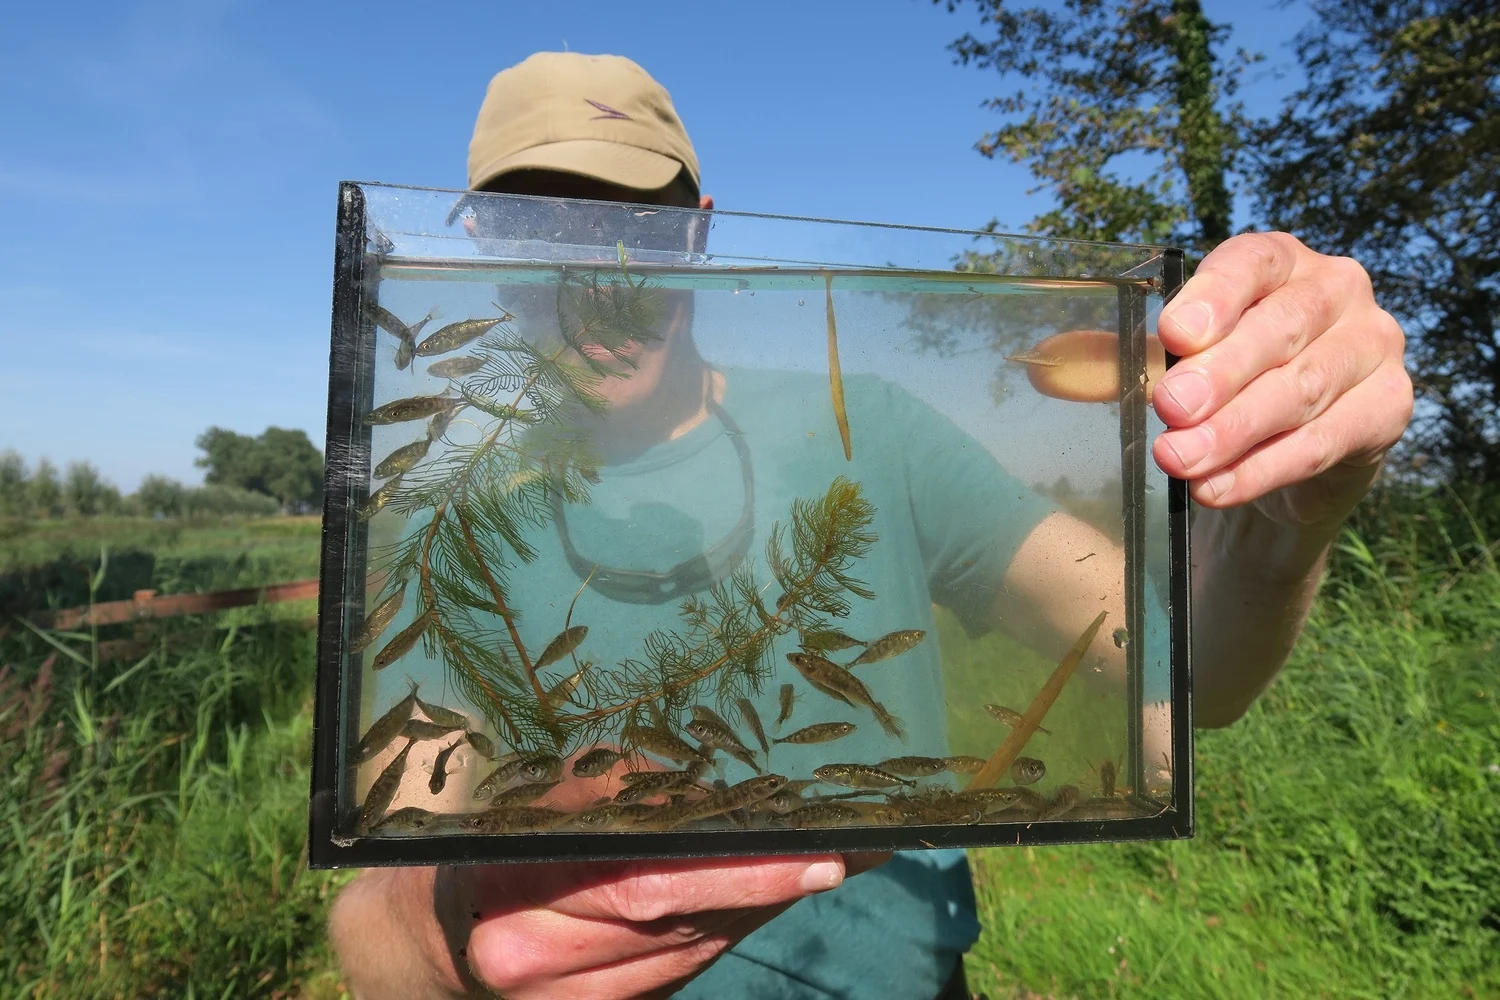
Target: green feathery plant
[{"x": 471, "y": 509}]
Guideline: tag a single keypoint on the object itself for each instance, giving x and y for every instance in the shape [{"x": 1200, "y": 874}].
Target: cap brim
[{"x": 610, "y": 162}]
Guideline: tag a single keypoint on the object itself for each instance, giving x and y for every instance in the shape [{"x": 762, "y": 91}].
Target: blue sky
[{"x": 168, "y": 172}]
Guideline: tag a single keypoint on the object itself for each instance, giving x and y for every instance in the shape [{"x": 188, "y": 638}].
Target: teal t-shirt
[{"x": 948, "y": 519}]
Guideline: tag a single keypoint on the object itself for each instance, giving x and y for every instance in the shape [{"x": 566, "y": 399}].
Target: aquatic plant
[{"x": 471, "y": 508}]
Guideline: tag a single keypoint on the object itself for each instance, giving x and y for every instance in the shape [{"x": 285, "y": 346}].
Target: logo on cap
[{"x": 609, "y": 112}]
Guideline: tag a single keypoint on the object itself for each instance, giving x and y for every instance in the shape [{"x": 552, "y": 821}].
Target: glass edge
[
  {"x": 461, "y": 195},
  {"x": 1179, "y": 527},
  {"x": 329, "y": 686},
  {"x": 475, "y": 849}
]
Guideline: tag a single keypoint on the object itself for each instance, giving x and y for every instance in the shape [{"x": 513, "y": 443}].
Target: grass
[
  {"x": 153, "y": 814},
  {"x": 49, "y": 563},
  {"x": 1349, "y": 827}
]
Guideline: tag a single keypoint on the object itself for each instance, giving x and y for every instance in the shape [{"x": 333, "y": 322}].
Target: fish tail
[{"x": 892, "y": 725}]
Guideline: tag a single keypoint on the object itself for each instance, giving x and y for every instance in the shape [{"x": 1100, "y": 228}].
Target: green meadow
[{"x": 154, "y": 814}]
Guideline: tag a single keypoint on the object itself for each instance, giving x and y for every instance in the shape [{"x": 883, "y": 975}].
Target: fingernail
[
  {"x": 1187, "y": 391},
  {"x": 1219, "y": 484},
  {"x": 1191, "y": 446},
  {"x": 822, "y": 876},
  {"x": 1192, "y": 318}
]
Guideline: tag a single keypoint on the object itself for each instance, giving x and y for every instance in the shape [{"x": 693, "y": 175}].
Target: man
[{"x": 1289, "y": 393}]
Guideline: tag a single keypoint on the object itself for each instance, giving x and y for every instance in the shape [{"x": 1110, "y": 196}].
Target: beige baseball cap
[{"x": 600, "y": 116}]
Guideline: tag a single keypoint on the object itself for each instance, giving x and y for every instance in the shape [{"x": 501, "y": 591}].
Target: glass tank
[{"x": 658, "y": 532}]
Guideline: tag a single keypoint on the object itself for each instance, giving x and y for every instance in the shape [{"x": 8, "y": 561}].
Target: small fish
[
  {"x": 379, "y": 499},
  {"x": 634, "y": 812},
  {"x": 601, "y": 817},
  {"x": 1027, "y": 770},
  {"x": 1030, "y": 801},
  {"x": 455, "y": 367},
  {"x": 652, "y": 783},
  {"x": 836, "y": 377},
  {"x": 385, "y": 728},
  {"x": 402, "y": 643},
  {"x": 418, "y": 729},
  {"x": 1107, "y": 779},
  {"x": 1064, "y": 800},
  {"x": 705, "y": 714},
  {"x": 1035, "y": 359},
  {"x": 788, "y": 701},
  {"x": 408, "y": 820},
  {"x": 820, "y": 814},
  {"x": 734, "y": 797},
  {"x": 508, "y": 819},
  {"x": 541, "y": 767},
  {"x": 440, "y": 768},
  {"x": 963, "y": 764},
  {"x": 913, "y": 767},
  {"x": 567, "y": 641},
  {"x": 411, "y": 408},
  {"x": 828, "y": 640},
  {"x": 721, "y": 737},
  {"x": 859, "y": 776},
  {"x": 386, "y": 320},
  {"x": 889, "y": 645},
  {"x": 481, "y": 744},
  {"x": 404, "y": 352},
  {"x": 784, "y": 800},
  {"x": 401, "y": 461},
  {"x": 878, "y": 813},
  {"x": 383, "y": 790},
  {"x": 752, "y": 719},
  {"x": 563, "y": 689},
  {"x": 508, "y": 769},
  {"x": 523, "y": 795},
  {"x": 822, "y": 732},
  {"x": 941, "y": 813},
  {"x": 455, "y": 335},
  {"x": 662, "y": 743},
  {"x": 836, "y": 682},
  {"x": 377, "y": 621},
  {"x": 438, "y": 425},
  {"x": 1010, "y": 717},
  {"x": 444, "y": 716},
  {"x": 990, "y": 798},
  {"x": 596, "y": 762},
  {"x": 1121, "y": 637}
]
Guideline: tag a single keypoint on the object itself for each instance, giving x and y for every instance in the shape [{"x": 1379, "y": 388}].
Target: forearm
[
  {"x": 1254, "y": 582},
  {"x": 388, "y": 941}
]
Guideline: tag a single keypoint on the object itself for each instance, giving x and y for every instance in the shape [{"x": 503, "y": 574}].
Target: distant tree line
[{"x": 279, "y": 471}]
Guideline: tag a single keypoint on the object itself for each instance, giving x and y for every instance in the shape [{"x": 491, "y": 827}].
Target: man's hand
[
  {"x": 1290, "y": 388},
  {"x": 532, "y": 931}
]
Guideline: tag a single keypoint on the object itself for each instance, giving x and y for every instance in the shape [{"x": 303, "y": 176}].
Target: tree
[
  {"x": 111, "y": 503},
  {"x": 14, "y": 499},
  {"x": 1119, "y": 82},
  {"x": 279, "y": 463},
  {"x": 158, "y": 495},
  {"x": 294, "y": 468},
  {"x": 45, "y": 493},
  {"x": 83, "y": 491},
  {"x": 1390, "y": 153}
]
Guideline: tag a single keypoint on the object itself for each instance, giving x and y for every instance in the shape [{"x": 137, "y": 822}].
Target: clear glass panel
[{"x": 669, "y": 521}]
